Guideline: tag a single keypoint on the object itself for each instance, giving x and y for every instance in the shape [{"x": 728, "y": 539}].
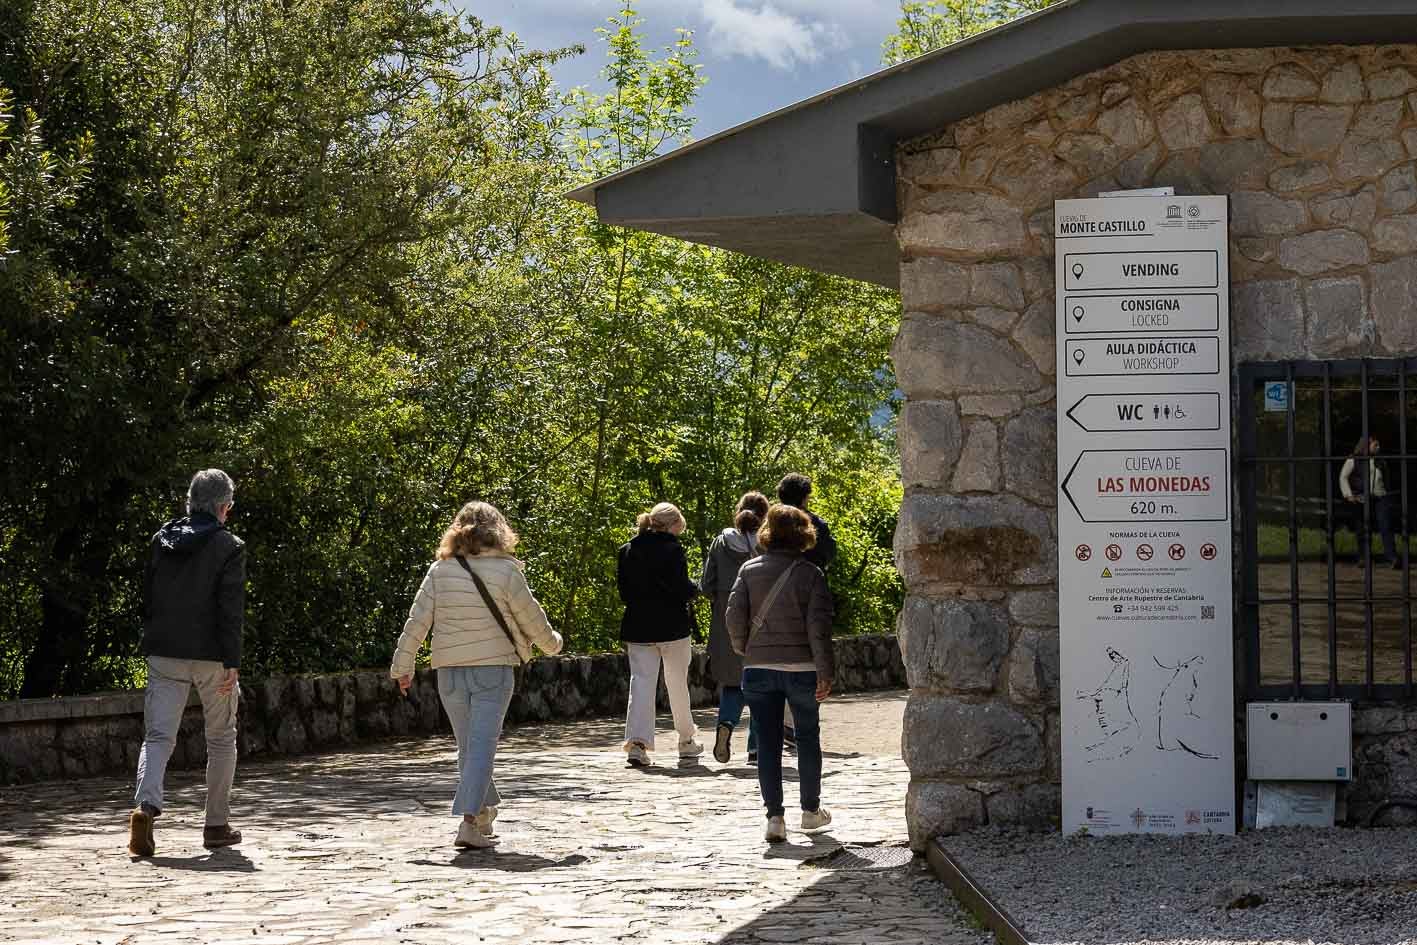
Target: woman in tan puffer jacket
[{"x": 474, "y": 656}]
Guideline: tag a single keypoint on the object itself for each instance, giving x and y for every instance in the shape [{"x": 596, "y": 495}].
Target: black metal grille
[{"x": 1321, "y": 620}]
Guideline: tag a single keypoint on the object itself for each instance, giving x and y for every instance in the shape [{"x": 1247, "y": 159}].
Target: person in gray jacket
[
  {"x": 779, "y": 618},
  {"x": 731, "y": 549}
]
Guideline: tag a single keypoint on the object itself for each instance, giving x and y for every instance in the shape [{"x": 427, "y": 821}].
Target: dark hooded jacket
[
  {"x": 195, "y": 592},
  {"x": 729, "y": 552},
  {"x": 823, "y": 553},
  {"x": 653, "y": 578}
]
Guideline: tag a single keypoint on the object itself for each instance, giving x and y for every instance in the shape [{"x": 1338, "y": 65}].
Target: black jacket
[
  {"x": 653, "y": 577},
  {"x": 823, "y": 553},
  {"x": 195, "y": 592}
]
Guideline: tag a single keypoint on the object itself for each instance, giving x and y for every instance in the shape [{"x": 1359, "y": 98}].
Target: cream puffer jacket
[{"x": 464, "y": 631}]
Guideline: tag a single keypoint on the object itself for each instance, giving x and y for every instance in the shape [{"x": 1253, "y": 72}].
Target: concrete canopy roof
[{"x": 813, "y": 184}]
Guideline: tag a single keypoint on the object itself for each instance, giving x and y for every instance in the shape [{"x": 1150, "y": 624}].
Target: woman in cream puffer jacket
[{"x": 475, "y": 658}]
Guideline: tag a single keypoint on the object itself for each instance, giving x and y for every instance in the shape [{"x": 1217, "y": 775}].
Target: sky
[{"x": 757, "y": 55}]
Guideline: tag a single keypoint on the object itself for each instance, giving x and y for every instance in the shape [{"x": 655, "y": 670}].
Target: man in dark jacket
[
  {"x": 795, "y": 489},
  {"x": 193, "y": 601}
]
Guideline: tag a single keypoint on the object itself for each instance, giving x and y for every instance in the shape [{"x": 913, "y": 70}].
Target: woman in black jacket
[{"x": 653, "y": 577}]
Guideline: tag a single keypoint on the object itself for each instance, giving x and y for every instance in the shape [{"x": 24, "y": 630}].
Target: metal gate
[{"x": 1324, "y": 615}]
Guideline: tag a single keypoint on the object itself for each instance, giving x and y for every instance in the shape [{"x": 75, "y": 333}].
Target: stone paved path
[{"x": 355, "y": 847}]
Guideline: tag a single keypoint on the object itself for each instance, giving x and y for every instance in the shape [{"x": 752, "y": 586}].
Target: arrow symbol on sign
[
  {"x": 1119, "y": 413},
  {"x": 1185, "y": 486}
]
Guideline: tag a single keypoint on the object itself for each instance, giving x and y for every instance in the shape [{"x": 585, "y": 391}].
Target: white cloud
[{"x": 770, "y": 34}]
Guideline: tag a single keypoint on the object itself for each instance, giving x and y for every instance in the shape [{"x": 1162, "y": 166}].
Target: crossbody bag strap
[
  {"x": 491, "y": 605},
  {"x": 776, "y": 589}
]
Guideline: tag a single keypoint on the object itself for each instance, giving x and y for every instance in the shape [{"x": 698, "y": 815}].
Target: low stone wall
[
  {"x": 1384, "y": 762},
  {"x": 100, "y": 734}
]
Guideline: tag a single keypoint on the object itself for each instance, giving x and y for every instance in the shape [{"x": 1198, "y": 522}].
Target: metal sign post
[{"x": 1144, "y": 515}]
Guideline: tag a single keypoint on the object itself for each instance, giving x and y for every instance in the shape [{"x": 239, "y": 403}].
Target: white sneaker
[
  {"x": 777, "y": 830},
  {"x": 637, "y": 757},
  {"x": 470, "y": 836},
  {"x": 688, "y": 751},
  {"x": 484, "y": 821},
  {"x": 816, "y": 819}
]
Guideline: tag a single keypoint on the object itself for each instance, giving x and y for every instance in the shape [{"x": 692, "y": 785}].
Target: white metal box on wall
[{"x": 1299, "y": 741}]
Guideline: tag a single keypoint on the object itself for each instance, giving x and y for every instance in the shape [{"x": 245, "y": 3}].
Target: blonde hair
[
  {"x": 477, "y": 527},
  {"x": 787, "y": 528},
  {"x": 661, "y": 518}
]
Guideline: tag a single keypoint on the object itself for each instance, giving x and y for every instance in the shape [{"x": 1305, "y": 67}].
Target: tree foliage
[
  {"x": 924, "y": 25},
  {"x": 325, "y": 246}
]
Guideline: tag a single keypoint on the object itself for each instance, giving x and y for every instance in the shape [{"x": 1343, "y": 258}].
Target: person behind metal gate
[
  {"x": 1358, "y": 479},
  {"x": 484, "y": 621},
  {"x": 779, "y": 619}
]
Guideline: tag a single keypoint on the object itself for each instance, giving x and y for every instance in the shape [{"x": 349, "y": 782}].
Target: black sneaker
[
  {"x": 752, "y": 758},
  {"x": 723, "y": 743}
]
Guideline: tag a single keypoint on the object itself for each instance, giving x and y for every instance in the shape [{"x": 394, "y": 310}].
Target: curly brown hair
[
  {"x": 751, "y": 510},
  {"x": 787, "y": 528},
  {"x": 477, "y": 527}
]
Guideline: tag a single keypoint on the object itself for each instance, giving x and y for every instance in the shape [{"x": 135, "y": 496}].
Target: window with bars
[{"x": 1327, "y": 557}]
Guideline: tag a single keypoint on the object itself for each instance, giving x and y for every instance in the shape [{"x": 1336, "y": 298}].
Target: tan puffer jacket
[{"x": 464, "y": 631}]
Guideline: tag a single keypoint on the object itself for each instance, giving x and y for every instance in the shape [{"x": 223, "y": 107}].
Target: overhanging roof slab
[{"x": 814, "y": 184}]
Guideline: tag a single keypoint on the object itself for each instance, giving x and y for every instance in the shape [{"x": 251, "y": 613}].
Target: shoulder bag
[{"x": 762, "y": 615}]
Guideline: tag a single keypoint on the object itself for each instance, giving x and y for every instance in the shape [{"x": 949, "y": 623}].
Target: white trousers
[{"x": 645, "y": 659}]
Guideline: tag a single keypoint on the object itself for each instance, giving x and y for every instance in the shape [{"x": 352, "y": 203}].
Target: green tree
[
  {"x": 924, "y": 25},
  {"x": 326, "y": 248},
  {"x": 256, "y": 165}
]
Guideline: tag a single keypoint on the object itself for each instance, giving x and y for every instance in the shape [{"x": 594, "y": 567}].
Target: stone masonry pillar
[{"x": 976, "y": 542}]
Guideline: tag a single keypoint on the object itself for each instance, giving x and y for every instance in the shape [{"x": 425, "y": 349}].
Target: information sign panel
[{"x": 1144, "y": 515}]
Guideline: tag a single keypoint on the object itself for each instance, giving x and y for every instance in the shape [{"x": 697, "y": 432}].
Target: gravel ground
[{"x": 1283, "y": 885}]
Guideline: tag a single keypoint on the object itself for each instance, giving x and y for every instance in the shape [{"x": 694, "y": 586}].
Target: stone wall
[
  {"x": 1315, "y": 148},
  {"x": 89, "y": 735},
  {"x": 1384, "y": 761}
]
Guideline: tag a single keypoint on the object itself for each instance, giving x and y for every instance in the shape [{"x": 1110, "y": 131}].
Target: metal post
[
  {"x": 1329, "y": 534},
  {"x": 1294, "y": 627}
]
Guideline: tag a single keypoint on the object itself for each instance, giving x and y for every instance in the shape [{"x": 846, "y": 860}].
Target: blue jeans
[
  {"x": 767, "y": 691},
  {"x": 476, "y": 700},
  {"x": 730, "y": 713}
]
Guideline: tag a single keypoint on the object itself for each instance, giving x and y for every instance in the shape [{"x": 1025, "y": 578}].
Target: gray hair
[{"x": 209, "y": 491}]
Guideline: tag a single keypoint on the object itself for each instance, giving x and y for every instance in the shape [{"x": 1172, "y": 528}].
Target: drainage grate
[{"x": 858, "y": 858}]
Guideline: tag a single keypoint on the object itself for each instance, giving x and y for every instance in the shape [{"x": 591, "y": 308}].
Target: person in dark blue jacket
[
  {"x": 194, "y": 595},
  {"x": 795, "y": 489}
]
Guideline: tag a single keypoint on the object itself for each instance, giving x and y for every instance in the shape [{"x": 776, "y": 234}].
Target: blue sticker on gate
[{"x": 1276, "y": 396}]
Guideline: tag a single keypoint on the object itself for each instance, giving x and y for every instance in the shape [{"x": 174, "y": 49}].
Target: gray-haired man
[{"x": 194, "y": 596}]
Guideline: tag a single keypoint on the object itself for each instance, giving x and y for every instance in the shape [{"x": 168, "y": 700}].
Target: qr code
[{"x": 1207, "y": 611}]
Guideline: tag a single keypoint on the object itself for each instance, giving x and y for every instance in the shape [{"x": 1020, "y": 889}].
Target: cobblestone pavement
[{"x": 356, "y": 847}]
